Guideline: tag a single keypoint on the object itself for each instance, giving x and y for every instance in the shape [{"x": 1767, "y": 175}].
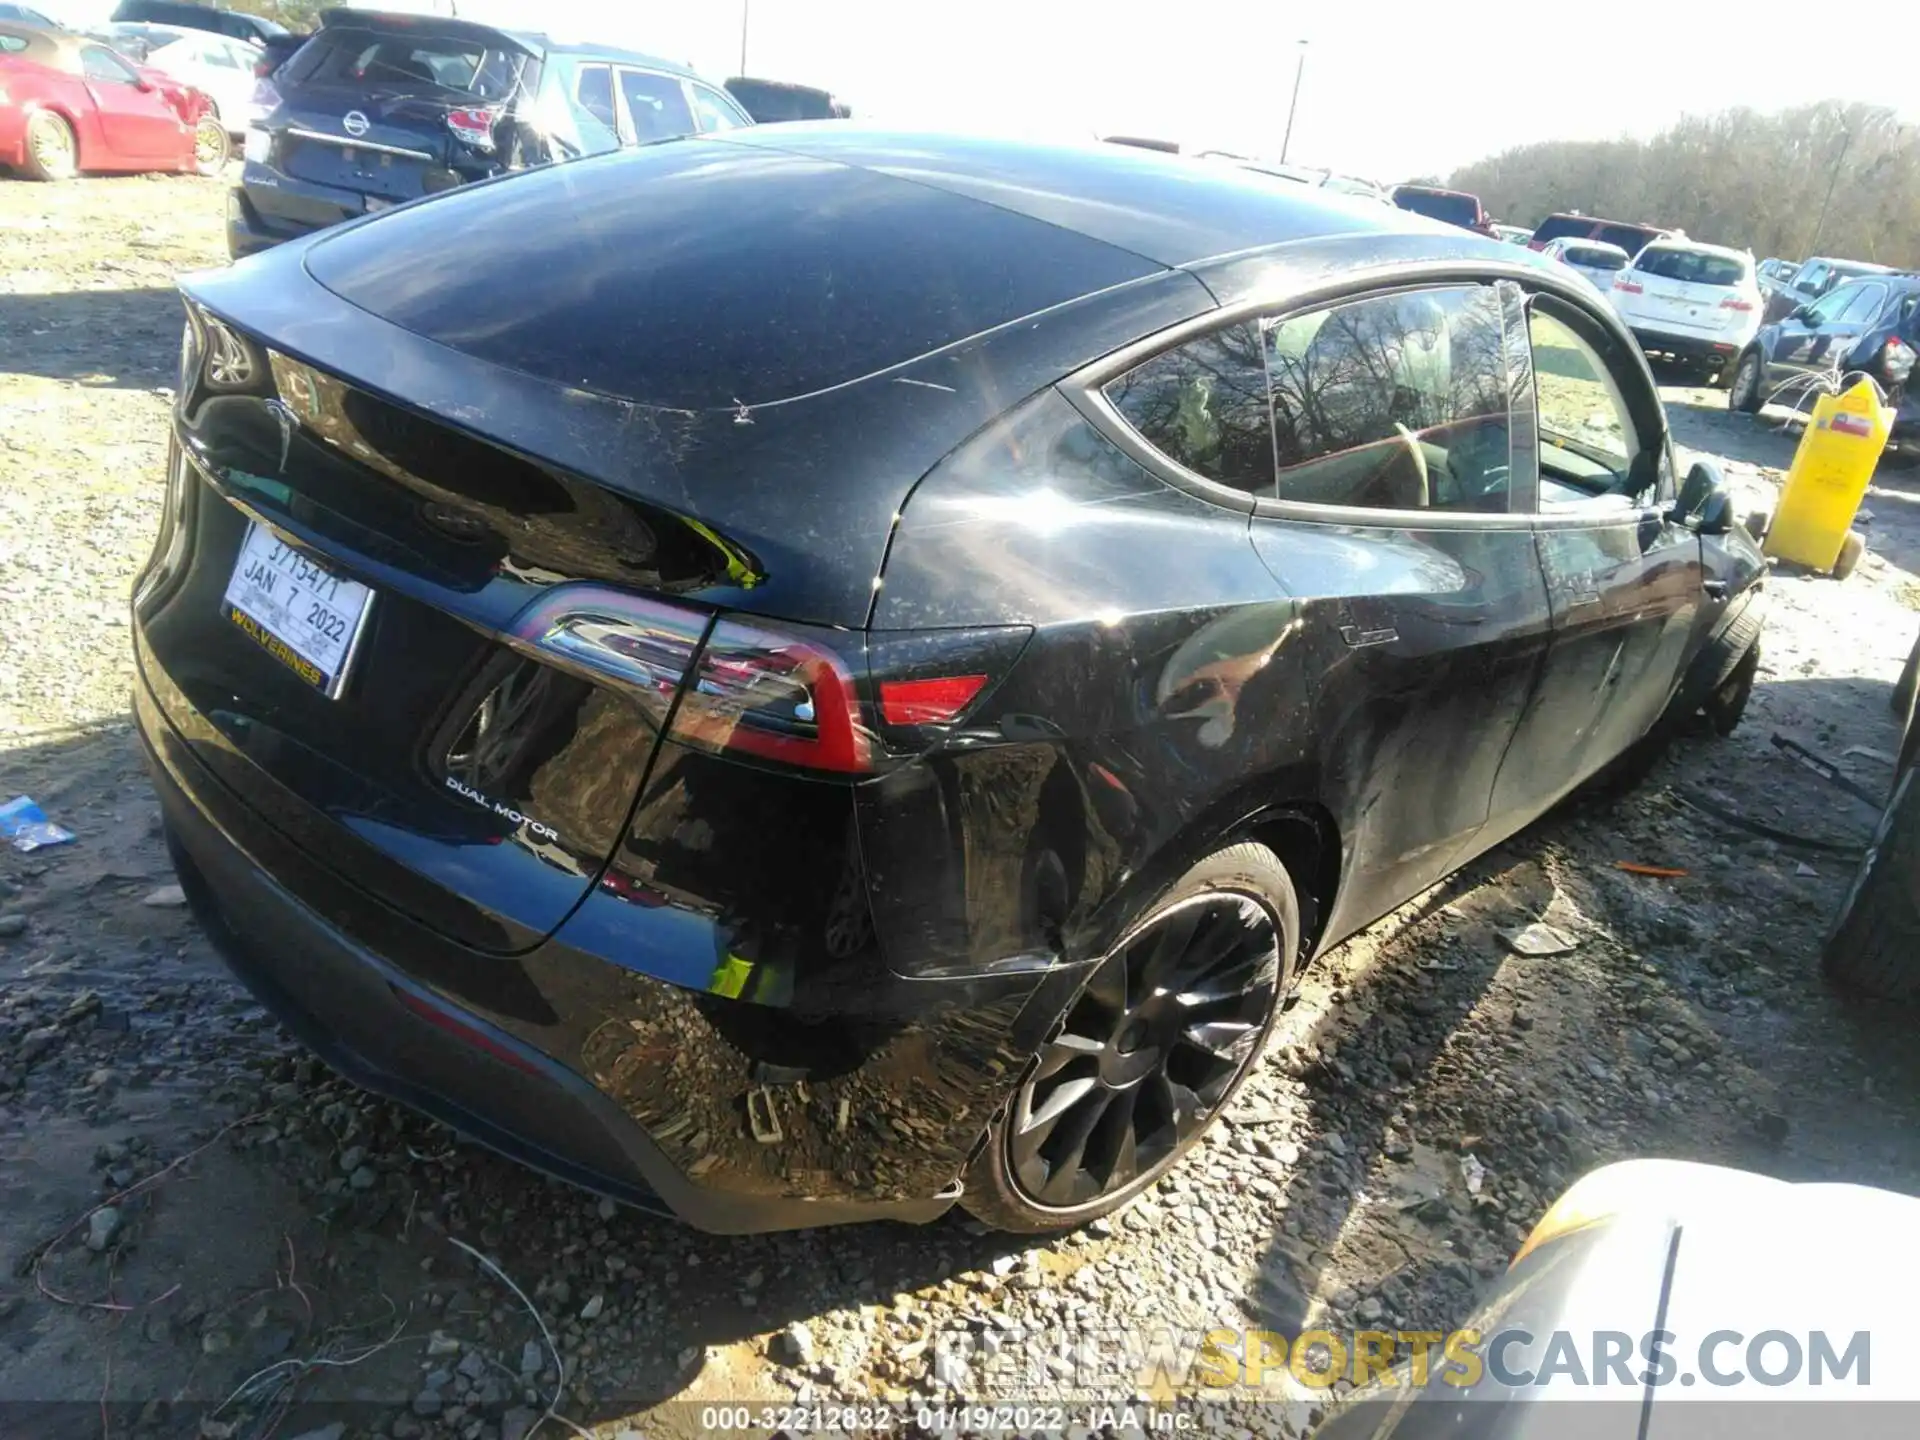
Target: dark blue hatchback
[
  {"x": 378, "y": 109},
  {"x": 1870, "y": 325}
]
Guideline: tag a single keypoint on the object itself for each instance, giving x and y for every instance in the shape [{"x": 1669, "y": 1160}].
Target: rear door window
[
  {"x": 1204, "y": 406},
  {"x": 1587, "y": 436},
  {"x": 1394, "y": 402},
  {"x": 656, "y": 104}
]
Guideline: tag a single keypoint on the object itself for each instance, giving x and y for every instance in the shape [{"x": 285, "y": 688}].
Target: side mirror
[
  {"x": 1703, "y": 481},
  {"x": 1716, "y": 516}
]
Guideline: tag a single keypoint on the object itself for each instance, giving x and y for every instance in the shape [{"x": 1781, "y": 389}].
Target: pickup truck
[{"x": 1813, "y": 280}]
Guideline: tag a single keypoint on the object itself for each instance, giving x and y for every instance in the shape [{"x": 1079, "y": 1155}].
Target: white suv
[{"x": 1694, "y": 305}]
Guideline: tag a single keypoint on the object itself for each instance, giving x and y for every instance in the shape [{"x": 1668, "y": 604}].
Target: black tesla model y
[{"x": 812, "y": 674}]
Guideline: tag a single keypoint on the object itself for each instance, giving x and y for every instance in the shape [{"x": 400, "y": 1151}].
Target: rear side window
[
  {"x": 100, "y": 63},
  {"x": 712, "y": 112},
  {"x": 1693, "y": 267},
  {"x": 1454, "y": 209},
  {"x": 1204, "y": 406},
  {"x": 658, "y": 105},
  {"x": 1396, "y": 402},
  {"x": 594, "y": 91}
]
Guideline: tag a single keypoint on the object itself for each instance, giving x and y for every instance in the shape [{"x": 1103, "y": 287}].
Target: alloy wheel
[
  {"x": 53, "y": 146},
  {"x": 210, "y": 147},
  {"x": 1149, "y": 1052},
  {"x": 1745, "y": 381}
]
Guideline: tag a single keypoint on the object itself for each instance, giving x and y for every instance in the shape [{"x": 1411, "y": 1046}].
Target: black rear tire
[
  {"x": 1746, "y": 391},
  {"x": 1727, "y": 705},
  {"x": 1901, "y": 701},
  {"x": 1874, "y": 946},
  {"x": 1241, "y": 883}
]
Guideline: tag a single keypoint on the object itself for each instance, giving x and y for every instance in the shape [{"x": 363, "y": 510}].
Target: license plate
[{"x": 297, "y": 610}]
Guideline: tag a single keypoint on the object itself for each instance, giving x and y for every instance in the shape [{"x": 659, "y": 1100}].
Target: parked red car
[{"x": 68, "y": 103}]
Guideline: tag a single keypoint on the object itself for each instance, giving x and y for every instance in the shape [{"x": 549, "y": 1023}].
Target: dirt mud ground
[{"x": 283, "y": 1254}]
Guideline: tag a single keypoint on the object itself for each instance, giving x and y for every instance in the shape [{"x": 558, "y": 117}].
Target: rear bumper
[
  {"x": 248, "y": 232},
  {"x": 1714, "y": 351},
  {"x": 655, "y": 1094},
  {"x": 268, "y": 207}
]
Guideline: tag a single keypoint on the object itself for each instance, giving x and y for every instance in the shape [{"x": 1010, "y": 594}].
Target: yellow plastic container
[{"x": 1823, "y": 489}]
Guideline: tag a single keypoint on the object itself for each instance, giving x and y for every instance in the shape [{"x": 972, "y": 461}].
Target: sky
[{"x": 1390, "y": 89}]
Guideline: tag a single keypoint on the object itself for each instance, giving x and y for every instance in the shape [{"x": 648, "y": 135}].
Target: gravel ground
[{"x": 283, "y": 1253}]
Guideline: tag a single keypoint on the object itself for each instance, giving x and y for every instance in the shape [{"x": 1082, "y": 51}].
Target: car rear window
[
  {"x": 403, "y": 60},
  {"x": 1594, "y": 258},
  {"x": 1555, "y": 227},
  {"x": 1454, "y": 209},
  {"x": 1693, "y": 267},
  {"x": 1630, "y": 238},
  {"x": 703, "y": 274}
]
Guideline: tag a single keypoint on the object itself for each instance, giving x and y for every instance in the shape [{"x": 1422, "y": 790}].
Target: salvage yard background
[{"x": 277, "y": 1238}]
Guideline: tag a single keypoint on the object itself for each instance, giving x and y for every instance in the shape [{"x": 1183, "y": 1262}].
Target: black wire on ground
[{"x": 1690, "y": 797}]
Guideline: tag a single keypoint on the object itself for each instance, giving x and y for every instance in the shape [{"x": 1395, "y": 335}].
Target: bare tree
[{"x": 1737, "y": 177}]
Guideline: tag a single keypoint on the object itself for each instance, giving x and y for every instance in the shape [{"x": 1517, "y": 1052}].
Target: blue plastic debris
[{"x": 25, "y": 825}]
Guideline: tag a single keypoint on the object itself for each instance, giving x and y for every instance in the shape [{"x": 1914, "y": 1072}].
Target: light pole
[
  {"x": 1294, "y": 104},
  {"x": 1846, "y": 140},
  {"x": 745, "y": 7}
]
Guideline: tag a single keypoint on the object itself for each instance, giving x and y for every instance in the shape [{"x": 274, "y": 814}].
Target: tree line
[{"x": 1837, "y": 178}]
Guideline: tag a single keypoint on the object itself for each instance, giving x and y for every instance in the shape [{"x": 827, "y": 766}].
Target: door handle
[
  {"x": 1583, "y": 597},
  {"x": 1716, "y": 589}
]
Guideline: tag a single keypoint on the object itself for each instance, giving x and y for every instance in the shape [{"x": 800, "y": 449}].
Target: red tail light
[
  {"x": 742, "y": 687},
  {"x": 928, "y": 702},
  {"x": 1632, "y": 287},
  {"x": 473, "y": 127},
  {"x": 790, "y": 694},
  {"x": 777, "y": 697},
  {"x": 1734, "y": 302},
  {"x": 1896, "y": 360}
]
